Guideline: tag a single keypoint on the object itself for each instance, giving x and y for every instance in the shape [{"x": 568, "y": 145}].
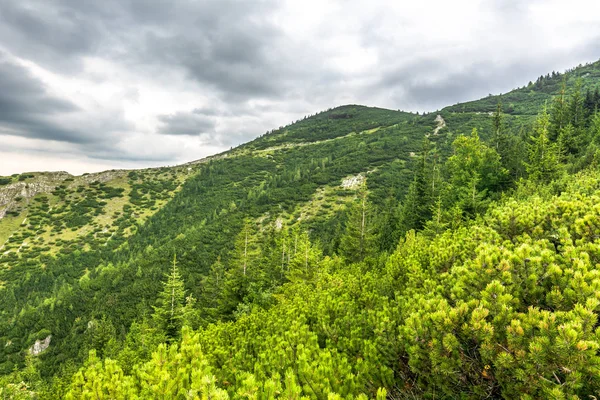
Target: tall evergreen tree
[
  {"x": 359, "y": 239},
  {"x": 409, "y": 216},
  {"x": 559, "y": 116},
  {"x": 543, "y": 163},
  {"x": 212, "y": 290},
  {"x": 388, "y": 221},
  {"x": 423, "y": 179},
  {"x": 575, "y": 107},
  {"x": 595, "y": 128},
  {"x": 498, "y": 123},
  {"x": 244, "y": 276},
  {"x": 168, "y": 313},
  {"x": 416, "y": 207},
  {"x": 304, "y": 265}
]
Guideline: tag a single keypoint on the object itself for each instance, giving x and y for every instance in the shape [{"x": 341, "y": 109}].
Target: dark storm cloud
[{"x": 186, "y": 123}]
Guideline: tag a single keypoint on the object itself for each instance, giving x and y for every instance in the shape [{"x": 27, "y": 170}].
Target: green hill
[{"x": 288, "y": 266}]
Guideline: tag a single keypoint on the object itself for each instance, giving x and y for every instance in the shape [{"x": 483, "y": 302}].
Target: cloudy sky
[{"x": 88, "y": 85}]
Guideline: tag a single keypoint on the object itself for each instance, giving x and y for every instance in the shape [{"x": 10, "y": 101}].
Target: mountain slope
[{"x": 84, "y": 257}]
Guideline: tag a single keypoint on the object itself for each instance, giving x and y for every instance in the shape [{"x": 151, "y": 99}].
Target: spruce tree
[
  {"x": 168, "y": 313},
  {"x": 543, "y": 163},
  {"x": 212, "y": 290},
  {"x": 498, "y": 123},
  {"x": 388, "y": 221},
  {"x": 559, "y": 116},
  {"x": 425, "y": 181},
  {"x": 304, "y": 265},
  {"x": 409, "y": 216},
  {"x": 416, "y": 207},
  {"x": 244, "y": 277},
  {"x": 595, "y": 128},
  {"x": 359, "y": 239},
  {"x": 575, "y": 107}
]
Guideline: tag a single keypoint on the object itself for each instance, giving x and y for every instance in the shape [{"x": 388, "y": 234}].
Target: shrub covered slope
[{"x": 357, "y": 253}]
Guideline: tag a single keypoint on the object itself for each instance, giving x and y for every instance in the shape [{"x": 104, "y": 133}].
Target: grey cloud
[
  {"x": 241, "y": 80},
  {"x": 48, "y": 32},
  {"x": 27, "y": 109},
  {"x": 191, "y": 123},
  {"x": 214, "y": 126},
  {"x": 428, "y": 84},
  {"x": 228, "y": 45},
  {"x": 435, "y": 86},
  {"x": 112, "y": 154}
]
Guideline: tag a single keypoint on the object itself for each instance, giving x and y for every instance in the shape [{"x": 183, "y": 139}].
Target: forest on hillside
[{"x": 463, "y": 263}]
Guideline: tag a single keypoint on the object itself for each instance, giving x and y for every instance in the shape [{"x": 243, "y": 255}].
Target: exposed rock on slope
[{"x": 40, "y": 346}]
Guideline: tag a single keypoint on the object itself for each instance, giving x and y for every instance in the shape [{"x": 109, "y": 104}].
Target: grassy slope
[{"x": 80, "y": 212}]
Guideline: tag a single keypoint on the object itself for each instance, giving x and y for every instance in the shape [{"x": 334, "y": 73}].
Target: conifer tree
[
  {"x": 424, "y": 180},
  {"x": 359, "y": 239},
  {"x": 304, "y": 265},
  {"x": 191, "y": 314},
  {"x": 595, "y": 128},
  {"x": 438, "y": 222},
  {"x": 575, "y": 107},
  {"x": 168, "y": 313},
  {"x": 409, "y": 216},
  {"x": 244, "y": 277},
  {"x": 101, "y": 336},
  {"x": 212, "y": 290},
  {"x": 543, "y": 163},
  {"x": 559, "y": 116},
  {"x": 415, "y": 209},
  {"x": 139, "y": 344},
  {"x": 274, "y": 258},
  {"x": 498, "y": 122},
  {"x": 246, "y": 250},
  {"x": 388, "y": 225}
]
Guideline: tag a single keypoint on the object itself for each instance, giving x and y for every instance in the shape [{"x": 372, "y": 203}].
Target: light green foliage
[
  {"x": 176, "y": 372},
  {"x": 474, "y": 170},
  {"x": 304, "y": 263},
  {"x": 101, "y": 380},
  {"x": 504, "y": 307}
]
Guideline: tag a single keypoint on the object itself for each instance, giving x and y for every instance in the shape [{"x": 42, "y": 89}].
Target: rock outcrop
[{"x": 40, "y": 345}]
